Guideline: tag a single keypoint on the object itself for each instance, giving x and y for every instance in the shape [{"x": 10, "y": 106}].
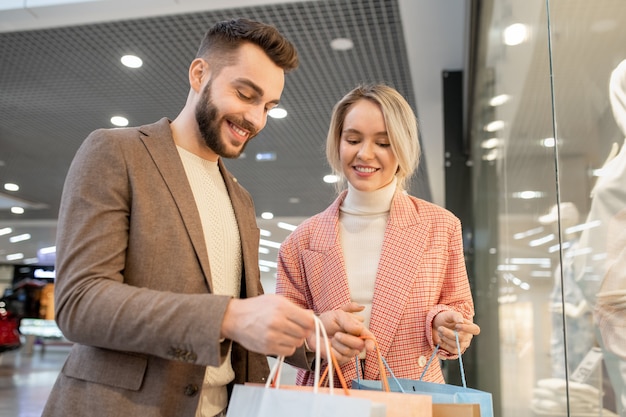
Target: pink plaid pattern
[{"x": 421, "y": 272}]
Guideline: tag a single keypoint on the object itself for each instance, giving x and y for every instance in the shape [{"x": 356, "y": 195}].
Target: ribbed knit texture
[
  {"x": 362, "y": 221},
  {"x": 221, "y": 235}
]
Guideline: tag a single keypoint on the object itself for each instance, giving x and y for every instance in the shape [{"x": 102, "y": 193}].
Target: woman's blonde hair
[{"x": 400, "y": 122}]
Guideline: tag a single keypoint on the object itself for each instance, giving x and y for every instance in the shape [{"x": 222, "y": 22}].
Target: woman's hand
[
  {"x": 346, "y": 331},
  {"x": 444, "y": 325}
]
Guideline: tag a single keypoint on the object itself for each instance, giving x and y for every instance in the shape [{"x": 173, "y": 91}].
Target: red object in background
[{"x": 9, "y": 334}]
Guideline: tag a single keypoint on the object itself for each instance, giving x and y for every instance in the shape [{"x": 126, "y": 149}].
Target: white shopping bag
[{"x": 267, "y": 401}]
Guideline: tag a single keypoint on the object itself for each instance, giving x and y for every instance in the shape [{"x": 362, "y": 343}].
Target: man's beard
[{"x": 209, "y": 125}]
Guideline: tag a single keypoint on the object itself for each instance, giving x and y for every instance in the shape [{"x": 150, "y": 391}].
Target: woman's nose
[{"x": 365, "y": 151}]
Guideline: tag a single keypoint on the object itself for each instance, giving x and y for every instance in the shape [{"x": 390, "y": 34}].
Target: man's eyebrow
[{"x": 247, "y": 82}]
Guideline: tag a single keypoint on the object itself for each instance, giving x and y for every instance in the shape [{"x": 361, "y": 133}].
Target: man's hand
[
  {"x": 268, "y": 324},
  {"x": 444, "y": 325}
]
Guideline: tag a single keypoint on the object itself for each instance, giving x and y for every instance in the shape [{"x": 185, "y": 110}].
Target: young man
[{"x": 157, "y": 248}]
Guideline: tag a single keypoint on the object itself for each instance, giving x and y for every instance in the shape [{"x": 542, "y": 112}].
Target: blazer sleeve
[{"x": 455, "y": 292}]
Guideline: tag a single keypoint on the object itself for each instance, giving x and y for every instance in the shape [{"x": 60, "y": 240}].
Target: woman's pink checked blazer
[{"x": 420, "y": 273}]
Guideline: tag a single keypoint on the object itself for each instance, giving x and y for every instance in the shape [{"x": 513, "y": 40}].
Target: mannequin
[
  {"x": 598, "y": 243},
  {"x": 566, "y": 296}
]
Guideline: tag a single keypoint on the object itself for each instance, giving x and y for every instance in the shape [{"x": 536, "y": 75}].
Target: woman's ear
[{"x": 198, "y": 71}]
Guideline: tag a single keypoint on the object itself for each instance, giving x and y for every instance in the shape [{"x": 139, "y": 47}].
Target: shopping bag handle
[
  {"x": 382, "y": 365},
  {"x": 458, "y": 347},
  {"x": 273, "y": 380},
  {"x": 336, "y": 368}
]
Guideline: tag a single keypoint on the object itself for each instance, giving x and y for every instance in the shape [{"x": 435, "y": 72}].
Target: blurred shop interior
[{"x": 522, "y": 116}]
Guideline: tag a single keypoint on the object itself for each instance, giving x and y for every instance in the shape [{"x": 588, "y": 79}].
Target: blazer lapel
[
  {"x": 248, "y": 231},
  {"x": 160, "y": 144},
  {"x": 325, "y": 257},
  {"x": 395, "y": 276}
]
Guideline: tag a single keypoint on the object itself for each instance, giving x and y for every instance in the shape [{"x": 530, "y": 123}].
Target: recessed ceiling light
[
  {"x": 19, "y": 238},
  {"x": 267, "y": 215},
  {"x": 119, "y": 121},
  {"x": 494, "y": 126},
  {"x": 331, "y": 179},
  {"x": 286, "y": 226},
  {"x": 515, "y": 34},
  {"x": 17, "y": 210},
  {"x": 265, "y": 156},
  {"x": 132, "y": 61},
  {"x": 277, "y": 113},
  {"x": 490, "y": 143},
  {"x": 11, "y": 187},
  {"x": 499, "y": 100},
  {"x": 342, "y": 44}
]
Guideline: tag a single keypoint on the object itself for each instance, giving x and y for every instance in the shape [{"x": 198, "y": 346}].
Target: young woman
[{"x": 392, "y": 259}]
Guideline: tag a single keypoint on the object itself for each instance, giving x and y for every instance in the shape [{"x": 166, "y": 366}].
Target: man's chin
[{"x": 233, "y": 153}]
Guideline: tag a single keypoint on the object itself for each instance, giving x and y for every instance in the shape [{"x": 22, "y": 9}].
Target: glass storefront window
[{"x": 547, "y": 127}]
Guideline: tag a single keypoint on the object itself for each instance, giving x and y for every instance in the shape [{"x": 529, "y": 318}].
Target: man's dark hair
[{"x": 224, "y": 38}]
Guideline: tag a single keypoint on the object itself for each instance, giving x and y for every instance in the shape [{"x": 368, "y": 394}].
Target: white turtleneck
[{"x": 362, "y": 221}]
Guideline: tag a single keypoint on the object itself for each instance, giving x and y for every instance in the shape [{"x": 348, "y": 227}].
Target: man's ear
[{"x": 198, "y": 71}]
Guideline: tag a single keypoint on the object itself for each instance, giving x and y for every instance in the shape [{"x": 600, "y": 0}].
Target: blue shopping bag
[{"x": 440, "y": 393}]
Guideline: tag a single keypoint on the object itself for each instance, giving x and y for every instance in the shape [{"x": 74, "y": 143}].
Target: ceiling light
[
  {"x": 286, "y": 226},
  {"x": 15, "y": 256},
  {"x": 31, "y": 261},
  {"x": 499, "y": 100},
  {"x": 527, "y": 233},
  {"x": 19, "y": 238},
  {"x": 548, "y": 142},
  {"x": 527, "y": 195},
  {"x": 119, "y": 121},
  {"x": 266, "y": 233},
  {"x": 541, "y": 240},
  {"x": 492, "y": 155},
  {"x": 341, "y": 44},
  {"x": 263, "y": 250},
  {"x": 515, "y": 34},
  {"x": 294, "y": 200},
  {"x": 17, "y": 210},
  {"x": 270, "y": 264},
  {"x": 269, "y": 243},
  {"x": 267, "y": 215},
  {"x": 277, "y": 113},
  {"x": 9, "y": 186},
  {"x": 5, "y": 231},
  {"x": 132, "y": 61},
  {"x": 331, "y": 179},
  {"x": 494, "y": 126},
  {"x": 265, "y": 156},
  {"x": 490, "y": 143},
  {"x": 49, "y": 249},
  {"x": 528, "y": 261}
]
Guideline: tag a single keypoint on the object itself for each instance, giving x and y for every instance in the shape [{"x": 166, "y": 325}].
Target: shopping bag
[
  {"x": 455, "y": 410},
  {"x": 259, "y": 401},
  {"x": 440, "y": 393},
  {"x": 396, "y": 404},
  {"x": 272, "y": 400}
]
